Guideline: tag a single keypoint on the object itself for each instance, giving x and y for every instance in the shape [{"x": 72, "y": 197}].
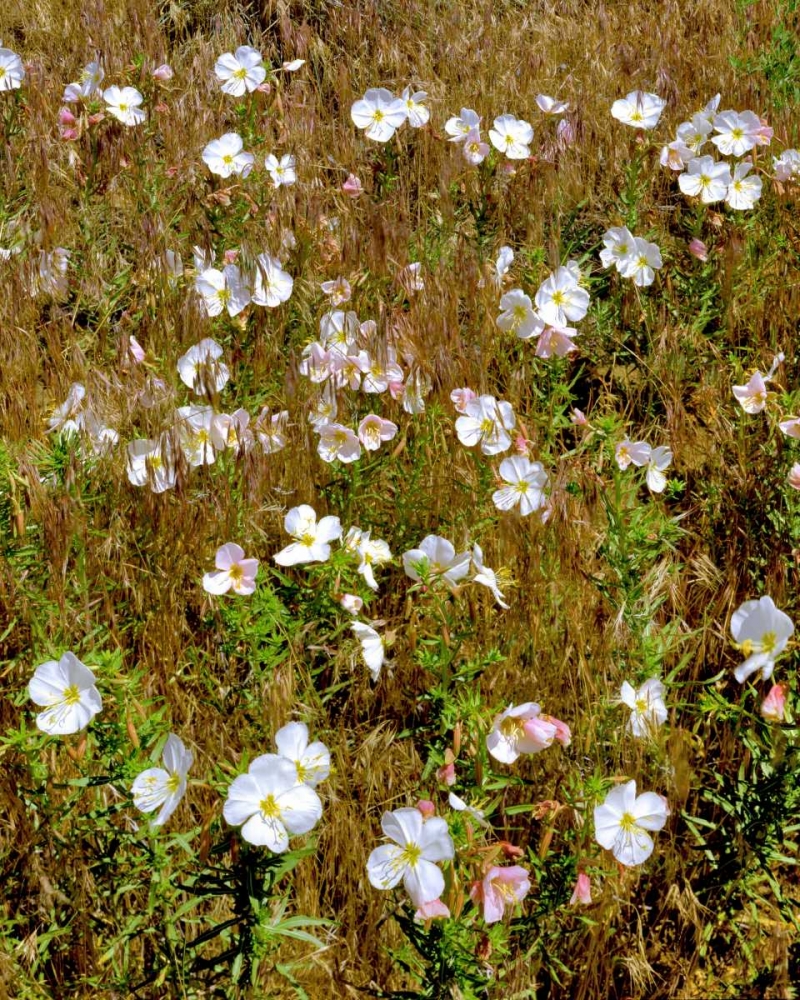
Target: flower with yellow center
[
  {"x": 164, "y": 786},
  {"x": 419, "y": 845},
  {"x": 622, "y": 823}
]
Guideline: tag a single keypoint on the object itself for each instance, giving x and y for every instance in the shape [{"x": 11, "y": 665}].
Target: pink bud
[
  {"x": 396, "y": 389},
  {"x": 432, "y": 911},
  {"x": 66, "y": 117},
  {"x": 764, "y": 134},
  {"x": 135, "y": 349},
  {"x": 794, "y": 476},
  {"x": 163, "y": 73},
  {"x": 172, "y": 171},
  {"x": 161, "y": 108},
  {"x": 522, "y": 445},
  {"x": 427, "y": 808},
  {"x": 773, "y": 707},
  {"x": 447, "y": 774},
  {"x": 352, "y": 187},
  {"x": 230, "y": 256},
  {"x": 95, "y": 119},
  {"x": 582, "y": 892},
  {"x": 698, "y": 249},
  {"x": 508, "y": 167},
  {"x": 264, "y": 88}
]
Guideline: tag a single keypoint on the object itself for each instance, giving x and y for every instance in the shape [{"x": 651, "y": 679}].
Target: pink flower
[
  {"x": 351, "y": 603},
  {"x": 460, "y": 398},
  {"x": 563, "y": 732},
  {"x": 396, "y": 390},
  {"x": 522, "y": 729},
  {"x": 578, "y": 417},
  {"x": 427, "y": 808},
  {"x": 763, "y": 135},
  {"x": 69, "y": 133},
  {"x": 582, "y": 893},
  {"x": 230, "y": 256},
  {"x": 793, "y": 478},
  {"x": 163, "y": 73},
  {"x": 374, "y": 430},
  {"x": 447, "y": 774},
  {"x": 352, "y": 187},
  {"x": 773, "y": 708},
  {"x": 66, "y": 117},
  {"x": 234, "y": 572},
  {"x": 698, "y": 249},
  {"x": 501, "y": 888},
  {"x": 432, "y": 911}
]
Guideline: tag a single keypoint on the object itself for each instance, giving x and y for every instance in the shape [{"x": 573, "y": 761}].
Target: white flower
[
  {"x": 293, "y": 66},
  {"x": 66, "y": 689},
  {"x": 88, "y": 85},
  {"x": 753, "y": 395},
  {"x": 270, "y": 804},
  {"x": 224, "y": 156},
  {"x": 526, "y": 483},
  {"x": 518, "y": 315},
  {"x": 152, "y": 463},
  {"x": 123, "y": 103},
  {"x": 233, "y": 572},
  {"x": 638, "y": 109},
  {"x": 371, "y": 647},
  {"x": 418, "y": 845},
  {"x": 458, "y": 128},
  {"x": 695, "y": 133},
  {"x": 512, "y": 136},
  {"x": 622, "y": 821},
  {"x": 418, "y": 114},
  {"x": 550, "y": 106},
  {"x": 485, "y": 576},
  {"x": 436, "y": 557},
  {"x": 619, "y": 245},
  {"x": 475, "y": 151},
  {"x": 272, "y": 284},
  {"x": 486, "y": 422},
  {"x": 744, "y": 191},
  {"x": 270, "y": 429},
  {"x": 198, "y": 440},
  {"x": 12, "y": 72},
  {"x": 787, "y": 165},
  {"x": 338, "y": 442},
  {"x": 338, "y": 290},
  {"x": 523, "y": 729},
  {"x": 642, "y": 262},
  {"x": 561, "y": 299},
  {"x": 761, "y": 632},
  {"x": 225, "y": 289},
  {"x": 737, "y": 133},
  {"x": 200, "y": 368},
  {"x": 505, "y": 258},
  {"x": 241, "y": 71},
  {"x": 66, "y": 416},
  {"x": 281, "y": 171},
  {"x": 379, "y": 113},
  {"x": 648, "y": 710},
  {"x": 411, "y": 277},
  {"x": 636, "y": 452},
  {"x": 706, "y": 178},
  {"x": 659, "y": 460},
  {"x": 164, "y": 786},
  {"x": 374, "y": 430},
  {"x": 312, "y": 761},
  {"x": 311, "y": 539}
]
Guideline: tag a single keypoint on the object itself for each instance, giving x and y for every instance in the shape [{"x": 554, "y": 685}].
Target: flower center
[
  {"x": 236, "y": 573},
  {"x": 173, "y": 783},
  {"x": 302, "y": 772},
  {"x": 307, "y": 539},
  {"x": 511, "y": 727},
  {"x": 269, "y": 808},
  {"x": 522, "y": 486},
  {"x": 240, "y": 74},
  {"x": 637, "y": 116},
  {"x": 558, "y": 297},
  {"x": 627, "y": 823},
  {"x": 378, "y": 115},
  {"x": 71, "y": 695},
  {"x": 227, "y": 158},
  {"x": 411, "y": 854},
  {"x": 737, "y": 133},
  {"x": 123, "y": 107},
  {"x": 641, "y": 705}
]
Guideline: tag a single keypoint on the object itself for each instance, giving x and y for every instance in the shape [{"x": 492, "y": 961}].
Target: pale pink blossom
[
  {"x": 374, "y": 430},
  {"x": 773, "y": 708},
  {"x": 582, "y": 893},
  {"x": 352, "y": 187},
  {"x": 427, "y": 808},
  {"x": 460, "y": 398},
  {"x": 435, "y": 910},
  {"x": 636, "y": 452},
  {"x": 163, "y": 73},
  {"x": 500, "y": 889},
  {"x": 234, "y": 572},
  {"x": 753, "y": 395},
  {"x": 698, "y": 249},
  {"x": 790, "y": 427},
  {"x": 351, "y": 603},
  {"x": 446, "y": 774},
  {"x": 793, "y": 479},
  {"x": 522, "y": 729},
  {"x": 338, "y": 442}
]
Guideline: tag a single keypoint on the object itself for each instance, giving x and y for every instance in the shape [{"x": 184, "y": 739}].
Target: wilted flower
[
  {"x": 698, "y": 249},
  {"x": 234, "y": 572},
  {"x": 793, "y": 478},
  {"x": 352, "y": 187},
  {"x": 241, "y": 71},
  {"x": 485, "y": 576},
  {"x": 551, "y": 106},
  {"x": 418, "y": 845},
  {"x": 163, "y": 73},
  {"x": 638, "y": 109},
  {"x": 123, "y": 103},
  {"x": 351, "y": 603},
  {"x": 225, "y": 156},
  {"x": 622, "y": 821},
  {"x": 66, "y": 689},
  {"x": 648, "y": 710},
  {"x": 379, "y": 113},
  {"x": 293, "y": 65},
  {"x": 311, "y": 538},
  {"x": 582, "y": 893},
  {"x": 435, "y": 910},
  {"x": 753, "y": 395},
  {"x": 371, "y": 647},
  {"x": 523, "y": 729},
  {"x": 501, "y": 889},
  {"x": 164, "y": 786},
  {"x": 761, "y": 632},
  {"x": 460, "y": 398}
]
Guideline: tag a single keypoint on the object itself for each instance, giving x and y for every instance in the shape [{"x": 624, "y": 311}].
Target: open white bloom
[
  {"x": 233, "y": 572},
  {"x": 65, "y": 416},
  {"x": 518, "y": 315},
  {"x": 123, "y": 103},
  {"x": 374, "y": 430},
  {"x": 512, "y": 136},
  {"x": 270, "y": 804},
  {"x": 642, "y": 263},
  {"x": 152, "y": 463},
  {"x": 526, "y": 484},
  {"x": 379, "y": 113},
  {"x": 281, "y": 171},
  {"x": 648, "y": 709},
  {"x": 622, "y": 821},
  {"x": 632, "y": 452},
  {"x": 619, "y": 245},
  {"x": 694, "y": 134},
  {"x": 761, "y": 631},
  {"x": 312, "y": 761},
  {"x": 551, "y": 106},
  {"x": 272, "y": 284},
  {"x": 523, "y": 729},
  {"x": 225, "y": 156},
  {"x": 486, "y": 422},
  {"x": 744, "y": 190},
  {"x": 89, "y": 84},
  {"x": 338, "y": 290},
  {"x": 241, "y": 71},
  {"x": 707, "y": 178},
  {"x": 659, "y": 460},
  {"x": 370, "y": 551},
  {"x": 270, "y": 429},
  {"x": 164, "y": 786},
  {"x": 753, "y": 395},
  {"x": 12, "y": 72},
  {"x": 337, "y": 442},
  {"x": 561, "y": 299},
  {"x": 371, "y": 647},
  {"x": 226, "y": 289},
  {"x": 436, "y": 557},
  {"x": 197, "y": 436},
  {"x": 418, "y": 114},
  {"x": 787, "y": 165},
  {"x": 675, "y": 155},
  {"x": 736, "y": 133},
  {"x": 419, "y": 844},
  {"x": 66, "y": 689},
  {"x": 485, "y": 576},
  {"x": 638, "y": 109},
  {"x": 474, "y": 149},
  {"x": 201, "y": 370},
  {"x": 311, "y": 539},
  {"x": 459, "y": 127}
]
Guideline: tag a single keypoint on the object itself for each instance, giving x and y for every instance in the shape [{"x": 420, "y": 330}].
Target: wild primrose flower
[
  {"x": 648, "y": 710},
  {"x": 226, "y": 289},
  {"x": 622, "y": 822},
  {"x": 745, "y": 189},
  {"x": 518, "y": 315},
  {"x": 311, "y": 539},
  {"x": 12, "y": 72},
  {"x": 753, "y": 395},
  {"x": 526, "y": 484},
  {"x": 371, "y": 648},
  {"x": 787, "y": 166},
  {"x": 66, "y": 689},
  {"x": 272, "y": 284},
  {"x": 200, "y": 368},
  {"x": 241, "y": 71},
  {"x": 460, "y": 126},
  {"x": 486, "y": 422},
  {"x": 560, "y": 299},
  {"x": 416, "y": 112},
  {"x": 379, "y": 113},
  {"x": 512, "y": 137},
  {"x": 225, "y": 156},
  {"x": 234, "y": 572},
  {"x": 152, "y": 462},
  {"x": 485, "y": 576},
  {"x": 281, "y": 171},
  {"x": 436, "y": 558},
  {"x": 706, "y": 178},
  {"x": 641, "y": 263},
  {"x": 419, "y": 845},
  {"x": 523, "y": 729},
  {"x": 500, "y": 890},
  {"x": 123, "y": 103},
  {"x": 312, "y": 761},
  {"x": 88, "y": 85},
  {"x": 638, "y": 109},
  {"x": 164, "y": 787},
  {"x": 761, "y": 632},
  {"x": 737, "y": 133},
  {"x": 474, "y": 149},
  {"x": 551, "y": 106}
]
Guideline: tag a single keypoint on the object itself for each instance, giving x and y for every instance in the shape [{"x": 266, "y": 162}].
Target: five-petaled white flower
[
  {"x": 234, "y": 572},
  {"x": 641, "y": 263},
  {"x": 311, "y": 539},
  {"x": 379, "y": 113},
  {"x": 416, "y": 112},
  {"x": 66, "y": 690},
  {"x": 272, "y": 284},
  {"x": 512, "y": 136},
  {"x": 419, "y": 844},
  {"x": 371, "y": 647},
  {"x": 638, "y": 109},
  {"x": 241, "y": 71},
  {"x": 226, "y": 289},
  {"x": 560, "y": 299},
  {"x": 761, "y": 631},
  {"x": 648, "y": 710},
  {"x": 736, "y": 133},
  {"x": 164, "y": 786},
  {"x": 622, "y": 822},
  {"x": 225, "y": 156},
  {"x": 486, "y": 422},
  {"x": 270, "y": 804},
  {"x": 745, "y": 188},
  {"x": 123, "y": 103}
]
